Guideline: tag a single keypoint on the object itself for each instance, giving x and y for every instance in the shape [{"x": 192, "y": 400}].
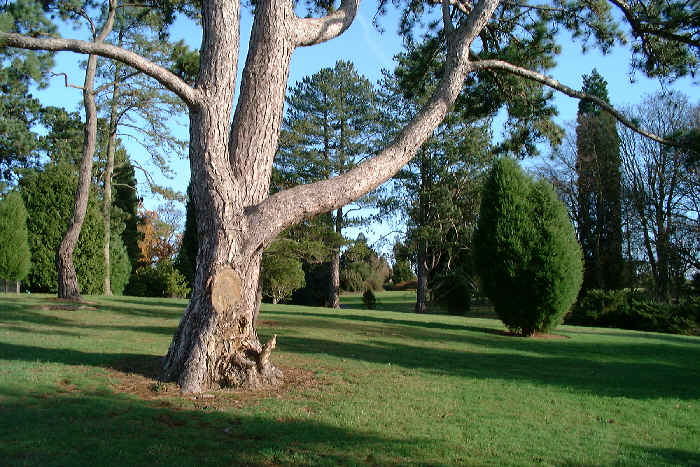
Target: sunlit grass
[{"x": 380, "y": 387}]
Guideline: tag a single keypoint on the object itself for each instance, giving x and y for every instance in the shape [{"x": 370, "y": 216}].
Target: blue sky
[{"x": 371, "y": 51}]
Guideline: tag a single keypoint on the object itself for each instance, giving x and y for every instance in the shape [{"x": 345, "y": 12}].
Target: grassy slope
[{"x": 388, "y": 388}]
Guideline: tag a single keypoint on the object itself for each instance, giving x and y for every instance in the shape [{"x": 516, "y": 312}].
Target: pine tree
[
  {"x": 19, "y": 70},
  {"x": 14, "y": 247},
  {"x": 325, "y": 133},
  {"x": 599, "y": 190}
]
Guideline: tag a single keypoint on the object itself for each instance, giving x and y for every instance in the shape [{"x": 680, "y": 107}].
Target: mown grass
[{"x": 379, "y": 387}]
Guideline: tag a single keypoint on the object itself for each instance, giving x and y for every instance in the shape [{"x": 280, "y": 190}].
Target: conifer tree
[
  {"x": 599, "y": 190},
  {"x": 526, "y": 251},
  {"x": 14, "y": 245},
  {"x": 327, "y": 132}
]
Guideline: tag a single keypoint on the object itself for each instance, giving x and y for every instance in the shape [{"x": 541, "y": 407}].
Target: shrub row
[{"x": 631, "y": 310}]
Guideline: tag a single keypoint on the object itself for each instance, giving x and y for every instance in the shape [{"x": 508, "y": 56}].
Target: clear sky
[{"x": 371, "y": 51}]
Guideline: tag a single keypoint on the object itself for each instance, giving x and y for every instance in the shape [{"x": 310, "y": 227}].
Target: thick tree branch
[
  {"x": 554, "y": 84},
  {"x": 287, "y": 207},
  {"x": 190, "y": 95},
  {"x": 310, "y": 31}
]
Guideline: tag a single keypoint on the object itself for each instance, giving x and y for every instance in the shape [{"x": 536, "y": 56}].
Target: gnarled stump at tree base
[{"x": 216, "y": 344}]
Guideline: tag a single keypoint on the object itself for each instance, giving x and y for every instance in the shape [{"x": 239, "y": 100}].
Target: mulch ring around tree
[{"x": 139, "y": 377}]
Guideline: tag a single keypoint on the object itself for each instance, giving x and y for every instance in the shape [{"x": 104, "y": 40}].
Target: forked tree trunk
[{"x": 216, "y": 343}]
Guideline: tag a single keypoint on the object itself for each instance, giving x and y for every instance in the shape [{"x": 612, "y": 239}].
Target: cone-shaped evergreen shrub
[
  {"x": 14, "y": 244},
  {"x": 526, "y": 251}
]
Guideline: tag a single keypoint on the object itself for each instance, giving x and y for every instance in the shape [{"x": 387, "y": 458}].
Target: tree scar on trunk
[{"x": 225, "y": 291}]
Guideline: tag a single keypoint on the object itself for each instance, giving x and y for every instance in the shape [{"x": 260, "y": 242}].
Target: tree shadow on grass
[
  {"x": 587, "y": 372},
  {"x": 38, "y": 312},
  {"x": 516, "y": 343},
  {"x": 92, "y": 428},
  {"x": 377, "y": 319},
  {"x": 145, "y": 365},
  {"x": 664, "y": 456}
]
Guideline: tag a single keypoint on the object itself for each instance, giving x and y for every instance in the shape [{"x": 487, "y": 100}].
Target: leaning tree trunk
[{"x": 67, "y": 277}]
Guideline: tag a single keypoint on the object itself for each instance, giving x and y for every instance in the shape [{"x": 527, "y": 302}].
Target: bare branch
[
  {"x": 84, "y": 14},
  {"x": 125, "y": 185},
  {"x": 310, "y": 31},
  {"x": 65, "y": 79},
  {"x": 190, "y": 95},
  {"x": 554, "y": 84}
]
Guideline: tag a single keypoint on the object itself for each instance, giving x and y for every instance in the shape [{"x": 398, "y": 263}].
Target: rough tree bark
[
  {"x": 67, "y": 278},
  {"x": 216, "y": 342}
]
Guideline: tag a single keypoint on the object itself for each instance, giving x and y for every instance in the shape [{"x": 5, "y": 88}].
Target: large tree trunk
[{"x": 216, "y": 343}]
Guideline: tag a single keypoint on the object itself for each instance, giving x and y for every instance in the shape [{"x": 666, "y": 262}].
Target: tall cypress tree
[
  {"x": 126, "y": 200},
  {"x": 598, "y": 169},
  {"x": 186, "y": 261}
]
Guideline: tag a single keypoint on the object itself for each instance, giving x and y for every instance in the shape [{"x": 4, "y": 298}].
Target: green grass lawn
[{"x": 365, "y": 387}]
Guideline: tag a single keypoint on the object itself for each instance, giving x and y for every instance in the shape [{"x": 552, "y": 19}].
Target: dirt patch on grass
[
  {"x": 140, "y": 378},
  {"x": 66, "y": 308},
  {"x": 536, "y": 335},
  {"x": 55, "y": 304},
  {"x": 270, "y": 324}
]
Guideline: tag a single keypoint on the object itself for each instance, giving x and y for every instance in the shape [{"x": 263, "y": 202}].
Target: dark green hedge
[{"x": 629, "y": 310}]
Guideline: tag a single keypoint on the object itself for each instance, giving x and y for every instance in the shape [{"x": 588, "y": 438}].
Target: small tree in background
[
  {"x": 526, "y": 251},
  {"x": 280, "y": 276},
  {"x": 14, "y": 239}
]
